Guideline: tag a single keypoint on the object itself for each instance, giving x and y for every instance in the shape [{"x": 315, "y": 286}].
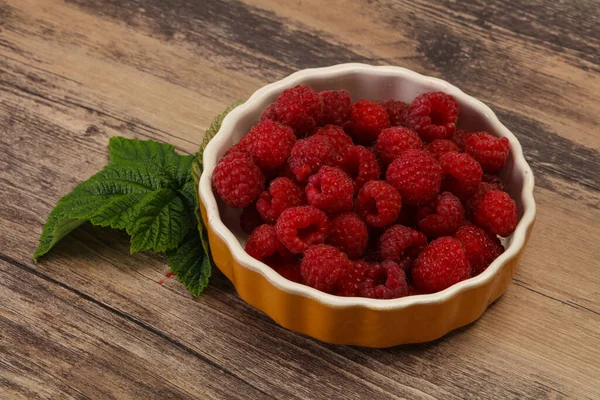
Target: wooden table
[{"x": 91, "y": 321}]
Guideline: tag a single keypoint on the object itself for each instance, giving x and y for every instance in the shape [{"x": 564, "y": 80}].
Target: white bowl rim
[{"x": 208, "y": 199}]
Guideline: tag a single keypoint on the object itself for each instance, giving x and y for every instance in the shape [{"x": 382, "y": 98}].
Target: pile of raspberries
[{"x": 371, "y": 199}]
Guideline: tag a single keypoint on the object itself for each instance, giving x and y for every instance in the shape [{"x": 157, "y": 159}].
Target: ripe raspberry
[
  {"x": 378, "y": 203},
  {"x": 433, "y": 116},
  {"x": 440, "y": 265},
  {"x": 250, "y": 219},
  {"x": 338, "y": 140},
  {"x": 290, "y": 271},
  {"x": 323, "y": 267},
  {"x": 472, "y": 202},
  {"x": 416, "y": 175},
  {"x": 497, "y": 213},
  {"x": 337, "y": 106},
  {"x": 384, "y": 281},
  {"x": 270, "y": 144},
  {"x": 360, "y": 164},
  {"x": 350, "y": 284},
  {"x": 237, "y": 180},
  {"x": 399, "y": 241},
  {"x": 392, "y": 142},
  {"x": 367, "y": 120},
  {"x": 397, "y": 111},
  {"x": 308, "y": 155},
  {"x": 495, "y": 181},
  {"x": 481, "y": 247},
  {"x": 300, "y": 227},
  {"x": 263, "y": 245},
  {"x": 439, "y": 147},
  {"x": 349, "y": 234},
  {"x": 300, "y": 108},
  {"x": 330, "y": 190},
  {"x": 241, "y": 147},
  {"x": 490, "y": 151},
  {"x": 283, "y": 193},
  {"x": 269, "y": 113},
  {"x": 462, "y": 174},
  {"x": 447, "y": 216},
  {"x": 460, "y": 137}
]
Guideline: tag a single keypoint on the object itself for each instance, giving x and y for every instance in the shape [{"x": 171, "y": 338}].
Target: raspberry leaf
[
  {"x": 191, "y": 264},
  {"x": 214, "y": 128}
]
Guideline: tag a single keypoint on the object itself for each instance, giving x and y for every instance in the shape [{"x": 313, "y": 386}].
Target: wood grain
[{"x": 91, "y": 321}]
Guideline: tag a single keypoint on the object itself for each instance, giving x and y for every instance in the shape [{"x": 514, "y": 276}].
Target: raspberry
[
  {"x": 446, "y": 218},
  {"x": 250, "y": 219},
  {"x": 290, "y": 271},
  {"x": 472, "y": 202},
  {"x": 337, "y": 106},
  {"x": 269, "y": 113},
  {"x": 263, "y": 245},
  {"x": 497, "y": 213},
  {"x": 237, "y": 180},
  {"x": 439, "y": 147},
  {"x": 481, "y": 247},
  {"x": 270, "y": 144},
  {"x": 491, "y": 152},
  {"x": 378, "y": 203},
  {"x": 241, "y": 147},
  {"x": 330, "y": 190},
  {"x": 460, "y": 137},
  {"x": 323, "y": 267},
  {"x": 392, "y": 142},
  {"x": 396, "y": 110},
  {"x": 300, "y": 108},
  {"x": 349, "y": 234},
  {"x": 440, "y": 265},
  {"x": 283, "y": 193},
  {"x": 462, "y": 174},
  {"x": 300, "y": 227},
  {"x": 495, "y": 181},
  {"x": 360, "y": 164},
  {"x": 308, "y": 155},
  {"x": 416, "y": 175},
  {"x": 384, "y": 281},
  {"x": 398, "y": 241},
  {"x": 350, "y": 284},
  {"x": 338, "y": 140},
  {"x": 433, "y": 116},
  {"x": 367, "y": 120}
]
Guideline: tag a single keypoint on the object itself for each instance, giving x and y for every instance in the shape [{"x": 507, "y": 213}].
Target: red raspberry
[
  {"x": 495, "y": 181},
  {"x": 399, "y": 241},
  {"x": 472, "y": 202},
  {"x": 330, "y": 190},
  {"x": 462, "y": 174},
  {"x": 350, "y": 284},
  {"x": 269, "y": 113},
  {"x": 308, "y": 155},
  {"x": 446, "y": 218},
  {"x": 323, "y": 267},
  {"x": 384, "y": 281},
  {"x": 263, "y": 245},
  {"x": 460, "y": 137},
  {"x": 392, "y": 142},
  {"x": 290, "y": 271},
  {"x": 300, "y": 108},
  {"x": 360, "y": 164},
  {"x": 397, "y": 111},
  {"x": 416, "y": 175},
  {"x": 270, "y": 144},
  {"x": 378, "y": 203},
  {"x": 433, "y": 116},
  {"x": 349, "y": 234},
  {"x": 241, "y": 147},
  {"x": 497, "y": 213},
  {"x": 490, "y": 151},
  {"x": 237, "y": 180},
  {"x": 283, "y": 193},
  {"x": 338, "y": 139},
  {"x": 439, "y": 147},
  {"x": 367, "y": 120},
  {"x": 337, "y": 106},
  {"x": 250, "y": 219},
  {"x": 440, "y": 265},
  {"x": 300, "y": 227},
  {"x": 481, "y": 247}
]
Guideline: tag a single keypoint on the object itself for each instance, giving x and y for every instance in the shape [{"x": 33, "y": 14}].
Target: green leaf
[
  {"x": 190, "y": 264},
  {"x": 214, "y": 128}
]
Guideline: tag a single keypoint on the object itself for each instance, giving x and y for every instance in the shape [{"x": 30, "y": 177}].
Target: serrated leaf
[
  {"x": 160, "y": 222},
  {"x": 190, "y": 264},
  {"x": 214, "y": 128}
]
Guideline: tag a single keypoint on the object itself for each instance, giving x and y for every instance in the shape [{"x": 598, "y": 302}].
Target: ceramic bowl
[{"x": 353, "y": 320}]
